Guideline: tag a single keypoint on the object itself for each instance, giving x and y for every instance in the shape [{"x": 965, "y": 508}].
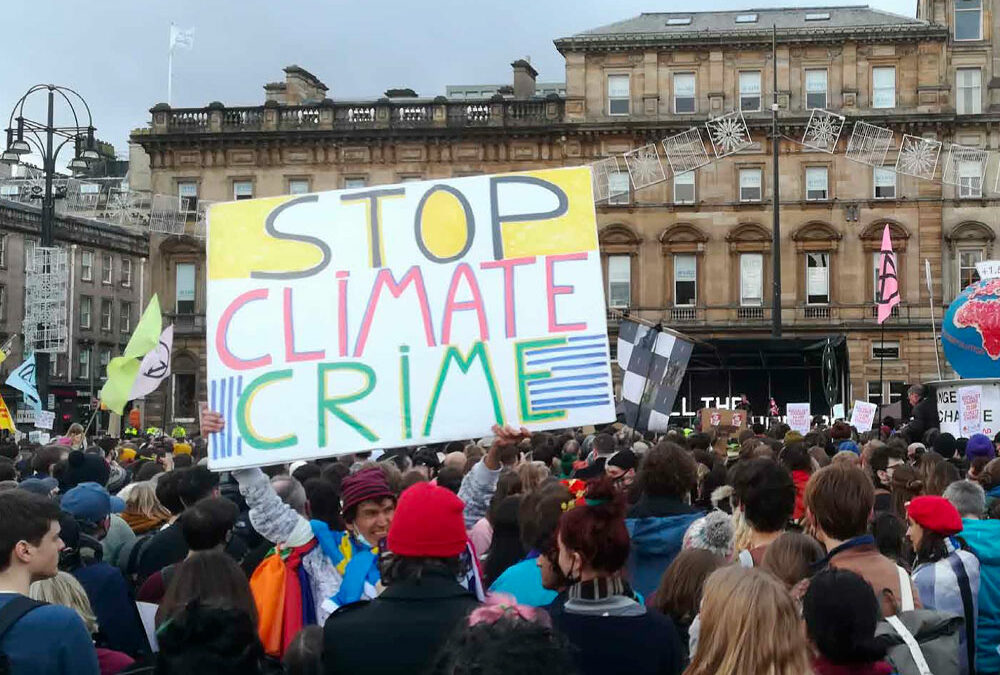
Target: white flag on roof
[{"x": 181, "y": 38}]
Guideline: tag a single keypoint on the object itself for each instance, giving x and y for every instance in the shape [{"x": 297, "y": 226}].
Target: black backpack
[{"x": 10, "y": 614}]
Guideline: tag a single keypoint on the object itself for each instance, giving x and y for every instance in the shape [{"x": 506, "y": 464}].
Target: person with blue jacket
[{"x": 657, "y": 522}]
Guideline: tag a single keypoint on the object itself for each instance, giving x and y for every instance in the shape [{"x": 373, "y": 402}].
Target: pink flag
[{"x": 887, "y": 284}]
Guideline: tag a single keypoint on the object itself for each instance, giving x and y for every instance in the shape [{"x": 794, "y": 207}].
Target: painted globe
[{"x": 970, "y": 331}]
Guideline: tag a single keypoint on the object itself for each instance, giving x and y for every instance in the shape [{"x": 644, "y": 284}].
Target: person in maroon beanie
[{"x": 402, "y": 629}]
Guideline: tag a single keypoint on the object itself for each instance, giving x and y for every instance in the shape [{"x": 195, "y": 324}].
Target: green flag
[{"x": 122, "y": 370}]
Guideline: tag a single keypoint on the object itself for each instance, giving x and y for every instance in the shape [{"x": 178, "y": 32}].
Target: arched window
[
  {"x": 682, "y": 246},
  {"x": 816, "y": 244},
  {"x": 871, "y": 243},
  {"x": 184, "y": 388},
  {"x": 750, "y": 250},
  {"x": 968, "y": 243},
  {"x": 619, "y": 258}
]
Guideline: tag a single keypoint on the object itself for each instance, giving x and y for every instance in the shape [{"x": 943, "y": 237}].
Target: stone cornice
[{"x": 73, "y": 230}]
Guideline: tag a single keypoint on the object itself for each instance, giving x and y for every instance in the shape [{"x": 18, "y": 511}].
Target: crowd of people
[{"x": 552, "y": 553}]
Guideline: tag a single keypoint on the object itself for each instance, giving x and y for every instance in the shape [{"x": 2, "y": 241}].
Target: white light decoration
[
  {"x": 600, "y": 175},
  {"x": 918, "y": 157},
  {"x": 45, "y": 292},
  {"x": 869, "y": 144},
  {"x": 165, "y": 215},
  {"x": 686, "y": 151},
  {"x": 965, "y": 163},
  {"x": 644, "y": 166},
  {"x": 823, "y": 130},
  {"x": 729, "y": 134}
]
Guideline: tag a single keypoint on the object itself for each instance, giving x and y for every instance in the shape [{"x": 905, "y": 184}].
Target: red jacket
[{"x": 800, "y": 478}]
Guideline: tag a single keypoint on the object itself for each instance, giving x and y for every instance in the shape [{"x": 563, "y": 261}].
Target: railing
[
  {"x": 414, "y": 113},
  {"x": 187, "y": 324},
  {"x": 816, "y": 312},
  {"x": 750, "y": 313},
  {"x": 894, "y": 313},
  {"x": 684, "y": 314}
]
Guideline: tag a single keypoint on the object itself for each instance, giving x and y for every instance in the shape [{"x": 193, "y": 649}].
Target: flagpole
[
  {"x": 881, "y": 360},
  {"x": 930, "y": 294},
  {"x": 170, "y": 67}
]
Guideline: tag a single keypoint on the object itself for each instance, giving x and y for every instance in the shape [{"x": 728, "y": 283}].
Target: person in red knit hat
[{"x": 402, "y": 630}]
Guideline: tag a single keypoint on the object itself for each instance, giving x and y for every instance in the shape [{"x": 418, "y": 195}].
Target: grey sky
[{"x": 114, "y": 52}]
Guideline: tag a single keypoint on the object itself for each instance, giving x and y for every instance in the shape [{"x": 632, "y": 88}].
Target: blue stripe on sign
[
  {"x": 597, "y": 386},
  {"x": 548, "y": 350},
  {"x": 222, "y": 409},
  {"x": 229, "y": 419},
  {"x": 239, "y": 436},
  {"x": 581, "y": 366},
  {"x": 567, "y": 399},
  {"x": 583, "y": 338},
  {"x": 591, "y": 404},
  {"x": 566, "y": 378},
  {"x": 213, "y": 439},
  {"x": 556, "y": 359}
]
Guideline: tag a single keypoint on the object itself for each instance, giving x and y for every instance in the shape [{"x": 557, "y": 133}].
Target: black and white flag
[{"x": 654, "y": 363}]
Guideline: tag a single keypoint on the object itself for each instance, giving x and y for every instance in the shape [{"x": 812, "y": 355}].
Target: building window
[
  {"x": 895, "y": 389},
  {"x": 750, "y": 90},
  {"x": 87, "y": 265},
  {"x": 684, "y": 188},
  {"x": 242, "y": 189},
  {"x": 685, "y": 279},
  {"x": 83, "y": 364},
  {"x": 968, "y": 19},
  {"x": 29, "y": 253},
  {"x": 967, "y": 272},
  {"x": 3, "y": 251},
  {"x": 750, "y": 190},
  {"x": 618, "y": 188},
  {"x": 105, "y": 360},
  {"x": 619, "y": 95},
  {"x": 298, "y": 186},
  {"x": 884, "y": 87},
  {"x": 127, "y": 272},
  {"x": 885, "y": 350},
  {"x": 125, "y": 317},
  {"x": 107, "y": 268},
  {"x": 187, "y": 193},
  {"x": 86, "y": 303},
  {"x": 354, "y": 183},
  {"x": 619, "y": 280},
  {"x": 54, "y": 365},
  {"x": 968, "y": 82},
  {"x": 817, "y": 278},
  {"x": 3, "y": 303},
  {"x": 185, "y": 284},
  {"x": 970, "y": 180},
  {"x": 816, "y": 88},
  {"x": 185, "y": 396},
  {"x": 874, "y": 393},
  {"x": 684, "y": 93},
  {"x": 817, "y": 186},
  {"x": 105, "y": 314},
  {"x": 885, "y": 182},
  {"x": 751, "y": 279}
]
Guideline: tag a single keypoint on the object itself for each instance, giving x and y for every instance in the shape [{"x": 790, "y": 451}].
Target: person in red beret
[
  {"x": 402, "y": 629},
  {"x": 945, "y": 574}
]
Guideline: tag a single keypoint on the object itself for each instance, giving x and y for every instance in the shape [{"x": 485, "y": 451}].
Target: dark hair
[
  {"x": 206, "y": 524},
  {"x": 841, "y": 612},
  {"x": 879, "y": 460},
  {"x": 604, "y": 444},
  {"x": 791, "y": 556},
  {"x": 668, "y": 470},
  {"x": 795, "y": 457},
  {"x": 167, "y": 491},
  {"x": 598, "y": 532},
  {"x": 507, "y": 645},
  {"x": 505, "y": 547},
  {"x": 307, "y": 471},
  {"x": 7, "y": 470},
  {"x": 44, "y": 458},
  {"x": 410, "y": 478},
  {"x": 941, "y": 476},
  {"x": 905, "y": 485},
  {"x": 889, "y": 531},
  {"x": 145, "y": 469},
  {"x": 335, "y": 472},
  {"x": 407, "y": 568},
  {"x": 679, "y": 594},
  {"x": 539, "y": 516},
  {"x": 450, "y": 477},
  {"x": 195, "y": 484},
  {"x": 211, "y": 577},
  {"x": 699, "y": 441},
  {"x": 183, "y": 461},
  {"x": 204, "y": 638},
  {"x": 304, "y": 655},
  {"x": 840, "y": 498},
  {"x": 24, "y": 516},
  {"x": 508, "y": 484},
  {"x": 765, "y": 490},
  {"x": 324, "y": 502}
]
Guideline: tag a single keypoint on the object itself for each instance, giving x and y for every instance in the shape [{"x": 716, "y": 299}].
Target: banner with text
[
  {"x": 863, "y": 416},
  {"x": 799, "y": 417},
  {"x": 405, "y": 314}
]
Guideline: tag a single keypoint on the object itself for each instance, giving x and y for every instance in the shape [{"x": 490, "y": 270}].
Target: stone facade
[{"x": 891, "y": 71}]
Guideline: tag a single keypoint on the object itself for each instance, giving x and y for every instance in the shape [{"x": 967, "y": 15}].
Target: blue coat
[
  {"x": 657, "y": 527},
  {"x": 983, "y": 537}
]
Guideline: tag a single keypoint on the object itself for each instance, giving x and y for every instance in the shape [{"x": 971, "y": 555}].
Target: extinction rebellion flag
[{"x": 654, "y": 362}]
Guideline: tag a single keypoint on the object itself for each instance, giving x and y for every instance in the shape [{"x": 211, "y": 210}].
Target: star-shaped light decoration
[
  {"x": 823, "y": 130},
  {"x": 644, "y": 166},
  {"x": 729, "y": 134},
  {"x": 918, "y": 157}
]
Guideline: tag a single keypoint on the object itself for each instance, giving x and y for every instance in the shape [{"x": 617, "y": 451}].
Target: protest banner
[
  {"x": 970, "y": 410},
  {"x": 950, "y": 406},
  {"x": 406, "y": 314},
  {"x": 863, "y": 416},
  {"x": 44, "y": 419},
  {"x": 799, "y": 417},
  {"x": 6, "y": 422},
  {"x": 727, "y": 423}
]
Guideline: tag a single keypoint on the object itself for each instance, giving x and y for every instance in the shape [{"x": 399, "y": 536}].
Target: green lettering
[
  {"x": 479, "y": 352},
  {"x": 523, "y": 377},
  {"x": 333, "y": 405},
  {"x": 247, "y": 430}
]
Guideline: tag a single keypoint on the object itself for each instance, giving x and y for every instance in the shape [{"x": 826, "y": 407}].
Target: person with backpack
[
  {"x": 946, "y": 576},
  {"x": 36, "y": 638}
]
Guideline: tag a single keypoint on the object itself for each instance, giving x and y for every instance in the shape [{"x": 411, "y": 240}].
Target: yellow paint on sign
[
  {"x": 443, "y": 224},
  {"x": 571, "y": 232}
]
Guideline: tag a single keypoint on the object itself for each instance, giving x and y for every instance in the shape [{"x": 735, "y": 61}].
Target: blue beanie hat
[
  {"x": 849, "y": 445},
  {"x": 979, "y": 445}
]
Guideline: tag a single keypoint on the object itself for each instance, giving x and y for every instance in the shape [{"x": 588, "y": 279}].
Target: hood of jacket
[
  {"x": 659, "y": 535},
  {"x": 983, "y": 536}
]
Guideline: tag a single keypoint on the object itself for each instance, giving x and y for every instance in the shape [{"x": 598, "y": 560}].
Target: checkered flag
[{"x": 654, "y": 363}]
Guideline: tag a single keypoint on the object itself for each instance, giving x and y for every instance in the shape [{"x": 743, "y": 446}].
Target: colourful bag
[{"x": 267, "y": 584}]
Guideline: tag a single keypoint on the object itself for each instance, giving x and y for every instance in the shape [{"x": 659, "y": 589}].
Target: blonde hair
[
  {"x": 142, "y": 499},
  {"x": 749, "y": 626},
  {"x": 63, "y": 589},
  {"x": 532, "y": 474}
]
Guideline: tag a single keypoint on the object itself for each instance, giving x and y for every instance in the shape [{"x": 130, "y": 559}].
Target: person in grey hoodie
[{"x": 480, "y": 483}]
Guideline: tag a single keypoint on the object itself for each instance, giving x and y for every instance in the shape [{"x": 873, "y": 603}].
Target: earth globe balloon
[{"x": 970, "y": 331}]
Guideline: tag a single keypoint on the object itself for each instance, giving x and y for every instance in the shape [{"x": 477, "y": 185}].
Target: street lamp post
[{"x": 24, "y": 134}]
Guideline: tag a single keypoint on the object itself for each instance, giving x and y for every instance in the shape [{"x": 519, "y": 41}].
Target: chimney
[
  {"x": 524, "y": 79},
  {"x": 302, "y": 87},
  {"x": 275, "y": 91}
]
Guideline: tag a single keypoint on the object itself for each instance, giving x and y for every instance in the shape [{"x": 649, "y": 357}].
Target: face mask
[{"x": 361, "y": 539}]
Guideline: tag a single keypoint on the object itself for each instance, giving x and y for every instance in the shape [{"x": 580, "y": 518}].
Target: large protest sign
[
  {"x": 863, "y": 416},
  {"x": 404, "y": 314},
  {"x": 799, "y": 417}
]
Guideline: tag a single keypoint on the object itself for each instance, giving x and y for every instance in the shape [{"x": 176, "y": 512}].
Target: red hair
[{"x": 596, "y": 530}]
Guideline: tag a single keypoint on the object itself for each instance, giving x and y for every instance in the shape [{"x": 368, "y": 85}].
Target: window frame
[
  {"x": 125, "y": 317},
  {"x": 89, "y": 314},
  {"x": 875, "y": 89},
  {"x": 628, "y": 265},
  {"x": 760, "y": 184},
  {"x": 237, "y": 182},
  {"x": 3, "y": 250},
  {"x": 102, "y": 363},
  {"x": 977, "y": 99},
  {"x": 826, "y": 87},
  {"x": 86, "y": 270},
  {"x": 107, "y": 326},
  {"x": 760, "y": 90},
  {"x": 297, "y": 181},
  {"x": 826, "y": 175},
  {"x": 185, "y": 201},
  {"x": 107, "y": 269},
  {"x": 693, "y": 96},
  {"x": 177, "y": 300},
  {"x": 349, "y": 179},
  {"x": 627, "y": 98},
  {"x": 743, "y": 297},
  {"x": 83, "y": 357},
  {"x": 3, "y": 303},
  {"x": 694, "y": 188},
  {"x": 694, "y": 300},
  {"x": 126, "y": 277},
  {"x": 623, "y": 198},
  {"x": 981, "y": 251},
  {"x": 969, "y": 191},
  {"x": 827, "y": 259},
  {"x": 875, "y": 186},
  {"x": 967, "y": 10}
]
